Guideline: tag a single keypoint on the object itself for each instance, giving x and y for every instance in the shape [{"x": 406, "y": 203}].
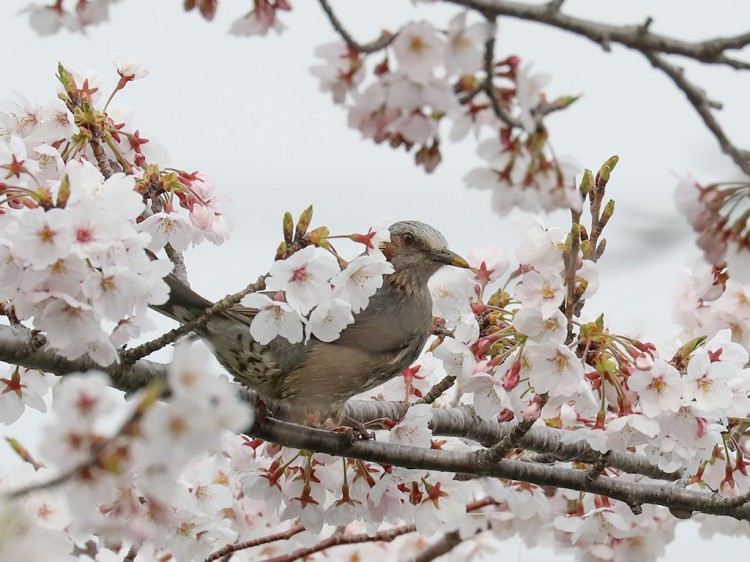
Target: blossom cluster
[
  {"x": 153, "y": 481},
  {"x": 82, "y": 201},
  {"x": 422, "y": 77},
  {"x": 314, "y": 297},
  {"x": 429, "y": 76},
  {"x": 718, "y": 214}
]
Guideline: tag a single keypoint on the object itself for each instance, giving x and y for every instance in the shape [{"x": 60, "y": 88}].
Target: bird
[{"x": 310, "y": 383}]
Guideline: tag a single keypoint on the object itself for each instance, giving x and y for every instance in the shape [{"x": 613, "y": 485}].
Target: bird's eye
[{"x": 408, "y": 238}]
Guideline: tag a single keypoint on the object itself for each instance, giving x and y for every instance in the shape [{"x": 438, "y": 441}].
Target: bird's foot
[
  {"x": 262, "y": 411},
  {"x": 355, "y": 429}
]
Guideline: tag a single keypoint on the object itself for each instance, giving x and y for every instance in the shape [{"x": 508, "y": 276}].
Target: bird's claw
[{"x": 355, "y": 429}]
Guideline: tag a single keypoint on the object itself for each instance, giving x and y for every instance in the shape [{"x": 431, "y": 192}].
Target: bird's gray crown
[{"x": 430, "y": 238}]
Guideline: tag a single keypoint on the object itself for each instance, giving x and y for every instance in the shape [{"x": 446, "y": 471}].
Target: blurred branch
[
  {"x": 21, "y": 346},
  {"x": 443, "y": 545}
]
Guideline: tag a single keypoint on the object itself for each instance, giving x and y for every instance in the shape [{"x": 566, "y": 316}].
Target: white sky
[{"x": 247, "y": 112}]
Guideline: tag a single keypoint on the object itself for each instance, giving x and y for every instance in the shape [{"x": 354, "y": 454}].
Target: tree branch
[
  {"x": 21, "y": 346},
  {"x": 634, "y": 36},
  {"x": 629, "y": 492},
  {"x": 464, "y": 423},
  {"x": 342, "y": 539}
]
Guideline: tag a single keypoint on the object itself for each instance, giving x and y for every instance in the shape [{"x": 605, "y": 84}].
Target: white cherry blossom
[
  {"x": 659, "y": 390},
  {"x": 304, "y": 277},
  {"x": 274, "y": 318},
  {"x": 360, "y": 280}
]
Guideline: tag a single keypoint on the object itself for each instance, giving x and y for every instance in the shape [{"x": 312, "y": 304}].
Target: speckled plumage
[{"x": 312, "y": 382}]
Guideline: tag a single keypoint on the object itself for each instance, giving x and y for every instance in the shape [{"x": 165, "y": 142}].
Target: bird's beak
[{"x": 449, "y": 258}]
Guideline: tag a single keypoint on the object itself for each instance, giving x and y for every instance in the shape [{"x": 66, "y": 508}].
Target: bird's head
[{"x": 416, "y": 251}]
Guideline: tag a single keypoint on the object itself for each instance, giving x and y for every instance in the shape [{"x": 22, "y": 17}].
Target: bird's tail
[{"x": 184, "y": 304}]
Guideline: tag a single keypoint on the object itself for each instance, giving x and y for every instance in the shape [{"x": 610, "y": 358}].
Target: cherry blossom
[
  {"x": 464, "y": 45},
  {"x": 328, "y": 319},
  {"x": 341, "y": 71},
  {"x": 20, "y": 388},
  {"x": 43, "y": 237},
  {"x": 304, "y": 278},
  {"x": 554, "y": 369},
  {"x": 359, "y": 280},
  {"x": 706, "y": 382},
  {"x": 130, "y": 69},
  {"x": 274, "y": 318},
  {"x": 418, "y": 50},
  {"x": 542, "y": 290},
  {"x": 412, "y": 429},
  {"x": 531, "y": 323}
]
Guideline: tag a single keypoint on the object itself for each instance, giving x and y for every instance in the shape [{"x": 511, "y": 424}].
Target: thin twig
[
  {"x": 379, "y": 44},
  {"x": 444, "y": 545},
  {"x": 338, "y": 540},
  {"x": 571, "y": 266},
  {"x": 437, "y": 390},
  {"x": 697, "y": 98},
  {"x": 130, "y": 356},
  {"x": 489, "y": 69},
  {"x": 595, "y": 471},
  {"x": 232, "y": 548},
  {"x": 497, "y": 452}
]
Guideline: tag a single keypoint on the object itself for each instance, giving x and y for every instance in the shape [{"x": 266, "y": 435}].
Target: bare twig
[
  {"x": 489, "y": 69},
  {"x": 180, "y": 270},
  {"x": 379, "y": 44},
  {"x": 337, "y": 539},
  {"x": 634, "y": 36},
  {"x": 437, "y": 390},
  {"x": 697, "y": 98}
]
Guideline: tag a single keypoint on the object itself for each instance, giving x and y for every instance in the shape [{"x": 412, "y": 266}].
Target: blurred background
[{"x": 247, "y": 112}]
